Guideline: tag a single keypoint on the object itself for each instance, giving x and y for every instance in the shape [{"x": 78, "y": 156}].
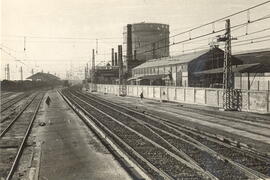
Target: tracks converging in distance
[
  {"x": 14, "y": 135},
  {"x": 168, "y": 150}
]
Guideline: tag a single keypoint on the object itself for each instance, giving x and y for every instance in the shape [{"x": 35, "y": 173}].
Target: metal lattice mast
[{"x": 227, "y": 71}]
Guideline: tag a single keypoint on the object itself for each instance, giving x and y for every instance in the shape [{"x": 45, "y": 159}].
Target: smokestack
[
  {"x": 115, "y": 59},
  {"x": 93, "y": 66},
  {"x": 112, "y": 57},
  {"x": 120, "y": 64},
  {"x": 129, "y": 43},
  {"x": 93, "y": 59}
]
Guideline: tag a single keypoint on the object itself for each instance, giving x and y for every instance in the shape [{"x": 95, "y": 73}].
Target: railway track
[
  {"x": 6, "y": 95},
  {"x": 14, "y": 136},
  {"x": 254, "y": 160},
  {"x": 177, "y": 144},
  {"x": 150, "y": 155},
  {"x": 9, "y": 103},
  {"x": 248, "y": 119}
]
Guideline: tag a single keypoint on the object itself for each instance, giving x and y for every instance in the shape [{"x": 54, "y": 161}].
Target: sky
[{"x": 59, "y": 35}]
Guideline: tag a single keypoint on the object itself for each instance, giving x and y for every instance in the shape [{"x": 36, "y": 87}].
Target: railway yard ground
[
  {"x": 82, "y": 135},
  {"x": 248, "y": 129}
]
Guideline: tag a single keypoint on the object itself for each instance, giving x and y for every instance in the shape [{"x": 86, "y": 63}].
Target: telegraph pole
[
  {"x": 93, "y": 66},
  {"x": 227, "y": 71},
  {"x": 21, "y": 71},
  {"x": 8, "y": 72}
]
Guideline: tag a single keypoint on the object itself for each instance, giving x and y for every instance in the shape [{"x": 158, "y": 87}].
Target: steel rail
[
  {"x": 152, "y": 142},
  {"x": 241, "y": 167},
  {"x": 154, "y": 117},
  {"x": 8, "y": 100},
  {"x": 12, "y": 102},
  {"x": 95, "y": 126},
  {"x": 192, "y": 162},
  {"x": 17, "y": 116},
  {"x": 20, "y": 150},
  {"x": 180, "y": 129},
  {"x": 164, "y": 174}
]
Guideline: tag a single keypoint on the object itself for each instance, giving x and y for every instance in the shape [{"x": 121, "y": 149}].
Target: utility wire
[
  {"x": 252, "y": 42},
  {"x": 61, "y": 38},
  {"x": 9, "y": 54},
  {"x": 262, "y": 37},
  {"x": 207, "y": 34},
  {"x": 209, "y": 23}
]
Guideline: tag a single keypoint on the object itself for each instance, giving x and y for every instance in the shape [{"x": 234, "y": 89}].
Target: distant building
[
  {"x": 105, "y": 74},
  {"x": 43, "y": 77},
  {"x": 198, "y": 69}
]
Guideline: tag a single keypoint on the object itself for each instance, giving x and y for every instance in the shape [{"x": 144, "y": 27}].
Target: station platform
[
  {"x": 69, "y": 150},
  {"x": 249, "y": 129}
]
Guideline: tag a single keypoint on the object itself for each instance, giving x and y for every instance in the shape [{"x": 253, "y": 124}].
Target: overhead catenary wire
[
  {"x": 62, "y": 38},
  {"x": 204, "y": 35},
  {"x": 251, "y": 39},
  {"x": 206, "y": 24},
  {"x": 252, "y": 42},
  {"x": 14, "y": 58}
]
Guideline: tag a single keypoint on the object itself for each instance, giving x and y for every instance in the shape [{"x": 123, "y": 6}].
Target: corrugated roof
[{"x": 183, "y": 58}]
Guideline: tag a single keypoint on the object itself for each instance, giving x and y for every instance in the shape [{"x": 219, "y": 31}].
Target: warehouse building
[
  {"x": 257, "y": 76},
  {"x": 183, "y": 70}
]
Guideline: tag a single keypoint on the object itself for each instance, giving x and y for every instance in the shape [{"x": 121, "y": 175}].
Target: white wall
[{"x": 254, "y": 101}]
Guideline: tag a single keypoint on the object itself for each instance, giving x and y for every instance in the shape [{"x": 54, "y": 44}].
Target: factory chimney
[
  {"x": 120, "y": 61},
  {"x": 129, "y": 43},
  {"x": 129, "y": 48},
  {"x": 113, "y": 57}
]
